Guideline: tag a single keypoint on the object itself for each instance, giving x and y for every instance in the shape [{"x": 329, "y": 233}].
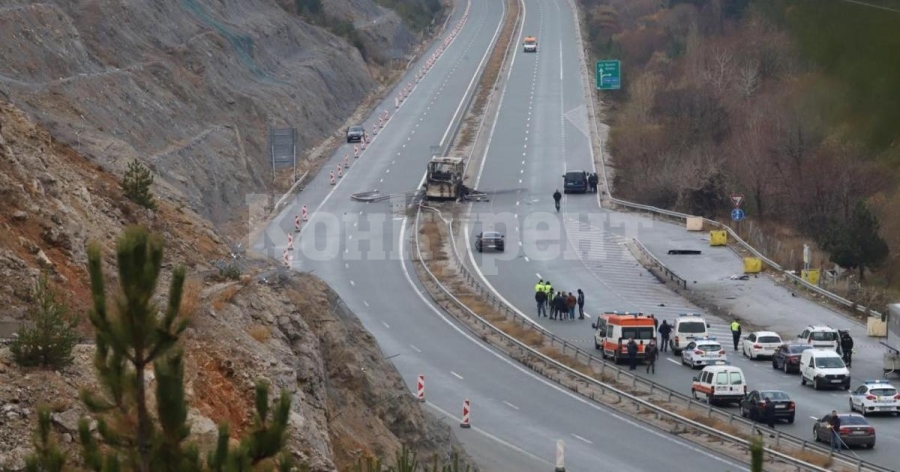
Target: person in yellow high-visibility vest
[
  {"x": 539, "y": 287},
  {"x": 735, "y": 333}
]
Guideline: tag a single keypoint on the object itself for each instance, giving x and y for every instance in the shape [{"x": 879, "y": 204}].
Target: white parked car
[
  {"x": 819, "y": 336},
  {"x": 875, "y": 396},
  {"x": 703, "y": 352},
  {"x": 760, "y": 344}
]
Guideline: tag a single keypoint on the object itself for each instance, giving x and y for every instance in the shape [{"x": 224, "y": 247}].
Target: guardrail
[
  {"x": 659, "y": 265},
  {"x": 636, "y": 381},
  {"x": 624, "y": 376},
  {"x": 683, "y": 216}
]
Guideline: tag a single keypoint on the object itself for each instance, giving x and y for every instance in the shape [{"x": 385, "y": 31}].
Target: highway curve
[
  {"x": 541, "y": 131},
  {"x": 516, "y": 416}
]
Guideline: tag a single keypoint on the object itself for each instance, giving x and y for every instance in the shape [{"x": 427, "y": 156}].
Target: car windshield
[
  {"x": 829, "y": 363},
  {"x": 709, "y": 347},
  {"x": 692, "y": 327},
  {"x": 769, "y": 339},
  {"x": 853, "y": 420},
  {"x": 823, "y": 336},
  {"x": 883, "y": 392},
  {"x": 798, "y": 348},
  {"x": 491, "y": 235},
  {"x": 356, "y": 129},
  {"x": 574, "y": 176},
  {"x": 637, "y": 332},
  {"x": 774, "y": 395}
]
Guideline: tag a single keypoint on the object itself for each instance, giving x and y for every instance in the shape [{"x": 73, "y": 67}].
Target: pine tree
[
  {"x": 133, "y": 333},
  {"x": 856, "y": 243},
  {"x": 47, "y": 457},
  {"x": 48, "y": 337},
  {"x": 757, "y": 448},
  {"x": 136, "y": 185}
]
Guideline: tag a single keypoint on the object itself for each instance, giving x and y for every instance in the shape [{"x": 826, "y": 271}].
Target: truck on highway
[
  {"x": 444, "y": 179},
  {"x": 530, "y": 44}
]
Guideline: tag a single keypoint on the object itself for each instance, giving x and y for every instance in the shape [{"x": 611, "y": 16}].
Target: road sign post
[{"x": 609, "y": 75}]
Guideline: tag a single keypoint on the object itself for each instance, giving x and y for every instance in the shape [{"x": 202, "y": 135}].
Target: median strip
[{"x": 456, "y": 291}]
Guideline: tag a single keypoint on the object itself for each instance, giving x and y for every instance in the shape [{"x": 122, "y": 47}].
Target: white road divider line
[
  {"x": 673, "y": 361},
  {"x": 365, "y": 303},
  {"x": 581, "y": 438},
  {"x": 352, "y": 284},
  {"x": 510, "y": 405},
  {"x": 460, "y": 377},
  {"x": 414, "y": 348},
  {"x": 386, "y": 325}
]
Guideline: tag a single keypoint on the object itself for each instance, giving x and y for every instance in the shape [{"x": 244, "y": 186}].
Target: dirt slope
[
  {"x": 287, "y": 328},
  {"x": 189, "y": 87}
]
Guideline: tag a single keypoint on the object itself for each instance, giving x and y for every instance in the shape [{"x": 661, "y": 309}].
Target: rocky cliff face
[
  {"x": 287, "y": 328},
  {"x": 189, "y": 87}
]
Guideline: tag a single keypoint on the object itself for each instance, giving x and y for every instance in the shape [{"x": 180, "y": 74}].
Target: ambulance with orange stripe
[
  {"x": 613, "y": 329},
  {"x": 719, "y": 384}
]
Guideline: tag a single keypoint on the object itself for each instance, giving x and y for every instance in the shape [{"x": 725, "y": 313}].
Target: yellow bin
[
  {"x": 752, "y": 265},
  {"x": 810, "y": 275},
  {"x": 718, "y": 238}
]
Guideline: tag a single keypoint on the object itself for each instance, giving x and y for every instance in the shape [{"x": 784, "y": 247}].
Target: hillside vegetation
[{"x": 792, "y": 103}]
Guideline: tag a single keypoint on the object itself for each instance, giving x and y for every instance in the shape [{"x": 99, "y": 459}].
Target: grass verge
[
  {"x": 451, "y": 275},
  {"x": 489, "y": 76}
]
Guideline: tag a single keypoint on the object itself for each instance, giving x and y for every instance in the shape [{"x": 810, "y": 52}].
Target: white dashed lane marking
[
  {"x": 460, "y": 377},
  {"x": 414, "y": 348}
]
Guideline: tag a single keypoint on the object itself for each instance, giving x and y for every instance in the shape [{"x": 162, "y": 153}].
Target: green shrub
[
  {"x": 47, "y": 338},
  {"x": 136, "y": 185}
]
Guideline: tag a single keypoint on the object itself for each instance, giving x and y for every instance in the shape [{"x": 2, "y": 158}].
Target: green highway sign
[{"x": 609, "y": 75}]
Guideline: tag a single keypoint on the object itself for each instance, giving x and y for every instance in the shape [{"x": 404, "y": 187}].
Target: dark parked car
[
  {"x": 489, "y": 239},
  {"x": 355, "y": 133},
  {"x": 787, "y": 357},
  {"x": 855, "y": 430},
  {"x": 753, "y": 403},
  {"x": 575, "y": 181}
]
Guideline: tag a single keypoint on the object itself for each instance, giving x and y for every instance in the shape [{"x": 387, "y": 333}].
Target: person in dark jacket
[
  {"x": 632, "y": 349},
  {"x": 846, "y": 347},
  {"x": 553, "y": 303},
  {"x": 558, "y": 301},
  {"x": 769, "y": 412},
  {"x": 655, "y": 322},
  {"x": 556, "y": 198},
  {"x": 835, "y": 424},
  {"x": 580, "y": 304},
  {"x": 571, "y": 302},
  {"x": 541, "y": 298},
  {"x": 664, "y": 331},
  {"x": 652, "y": 352},
  {"x": 592, "y": 181},
  {"x": 561, "y": 309}
]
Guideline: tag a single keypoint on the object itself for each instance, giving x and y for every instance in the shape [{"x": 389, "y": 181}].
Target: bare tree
[
  {"x": 748, "y": 78},
  {"x": 718, "y": 71}
]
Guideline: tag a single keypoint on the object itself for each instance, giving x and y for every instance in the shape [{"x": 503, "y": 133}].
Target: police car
[
  {"x": 875, "y": 396},
  {"x": 703, "y": 351}
]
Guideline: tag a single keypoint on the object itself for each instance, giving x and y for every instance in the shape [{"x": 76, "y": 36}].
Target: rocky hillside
[
  {"x": 190, "y": 87},
  {"x": 287, "y": 328}
]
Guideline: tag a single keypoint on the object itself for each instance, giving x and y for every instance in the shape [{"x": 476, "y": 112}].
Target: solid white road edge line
[
  {"x": 540, "y": 379},
  {"x": 460, "y": 377},
  {"x": 278, "y": 221},
  {"x": 490, "y": 436},
  {"x": 474, "y": 76}
]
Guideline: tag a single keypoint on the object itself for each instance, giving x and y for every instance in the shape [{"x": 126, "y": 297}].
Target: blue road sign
[{"x": 737, "y": 214}]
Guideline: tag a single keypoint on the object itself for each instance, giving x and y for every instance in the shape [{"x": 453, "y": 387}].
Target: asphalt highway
[
  {"x": 517, "y": 417},
  {"x": 541, "y": 132}
]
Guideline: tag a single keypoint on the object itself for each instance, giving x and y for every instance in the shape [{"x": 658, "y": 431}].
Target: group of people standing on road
[{"x": 561, "y": 305}]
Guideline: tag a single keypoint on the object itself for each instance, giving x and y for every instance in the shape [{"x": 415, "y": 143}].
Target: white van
[
  {"x": 819, "y": 336},
  {"x": 823, "y": 368},
  {"x": 687, "y": 328},
  {"x": 719, "y": 384}
]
